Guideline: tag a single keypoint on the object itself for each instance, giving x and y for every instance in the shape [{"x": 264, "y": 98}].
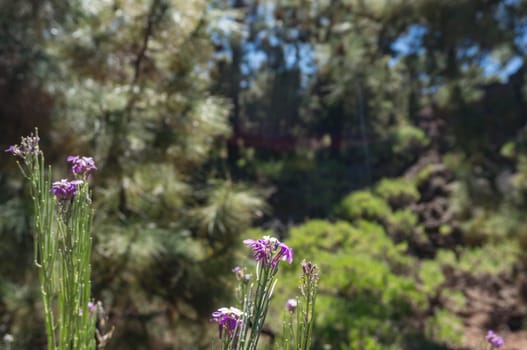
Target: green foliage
[
  {"x": 362, "y": 204},
  {"x": 228, "y": 208},
  {"x": 431, "y": 277},
  {"x": 407, "y": 140},
  {"x": 445, "y": 328},
  {"x": 494, "y": 225},
  {"x": 398, "y": 192},
  {"x": 402, "y": 221},
  {"x": 377, "y": 206},
  {"x": 365, "y": 288},
  {"x": 487, "y": 260},
  {"x": 508, "y": 150}
]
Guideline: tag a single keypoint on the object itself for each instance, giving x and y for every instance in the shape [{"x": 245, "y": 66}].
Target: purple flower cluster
[
  {"x": 65, "y": 190},
  {"x": 28, "y": 146},
  {"x": 494, "y": 339},
  {"x": 81, "y": 165},
  {"x": 229, "y": 321},
  {"x": 269, "y": 251}
]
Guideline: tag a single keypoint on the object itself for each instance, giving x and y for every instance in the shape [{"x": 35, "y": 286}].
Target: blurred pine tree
[{"x": 129, "y": 85}]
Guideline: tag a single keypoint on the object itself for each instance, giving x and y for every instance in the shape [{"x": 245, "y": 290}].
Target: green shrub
[
  {"x": 431, "y": 276},
  {"x": 366, "y": 285},
  {"x": 445, "y": 327},
  {"x": 398, "y": 192},
  {"x": 362, "y": 205},
  {"x": 370, "y": 288},
  {"x": 407, "y": 139},
  {"x": 402, "y": 223},
  {"x": 489, "y": 259}
]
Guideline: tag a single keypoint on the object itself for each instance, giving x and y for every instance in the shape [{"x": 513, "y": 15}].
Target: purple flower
[
  {"x": 291, "y": 305},
  {"x": 229, "y": 321},
  {"x": 64, "y": 189},
  {"x": 494, "y": 339},
  {"x": 262, "y": 249},
  {"x": 269, "y": 251},
  {"x": 284, "y": 254},
  {"x": 15, "y": 150},
  {"x": 28, "y": 145},
  {"x": 81, "y": 165}
]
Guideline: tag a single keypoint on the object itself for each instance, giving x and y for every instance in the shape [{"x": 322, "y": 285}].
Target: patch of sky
[
  {"x": 493, "y": 67},
  {"x": 254, "y": 59},
  {"x": 520, "y": 35},
  {"x": 296, "y": 54},
  {"x": 469, "y": 53},
  {"x": 410, "y": 42}
]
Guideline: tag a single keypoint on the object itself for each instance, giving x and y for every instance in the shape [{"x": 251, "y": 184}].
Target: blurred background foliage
[{"x": 384, "y": 140}]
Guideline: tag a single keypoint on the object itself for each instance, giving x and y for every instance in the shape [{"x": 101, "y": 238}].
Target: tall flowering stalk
[
  {"x": 288, "y": 328},
  {"x": 298, "y": 323},
  {"x": 306, "y": 314},
  {"x": 62, "y": 246},
  {"x": 241, "y": 329}
]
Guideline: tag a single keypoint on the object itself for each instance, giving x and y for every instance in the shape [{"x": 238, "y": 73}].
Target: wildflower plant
[
  {"x": 240, "y": 329},
  {"x": 300, "y": 317},
  {"x": 62, "y": 246}
]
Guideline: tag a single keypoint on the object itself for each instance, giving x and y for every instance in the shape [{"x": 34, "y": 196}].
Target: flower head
[
  {"x": 228, "y": 319},
  {"x": 269, "y": 251},
  {"x": 309, "y": 269},
  {"x": 81, "y": 165},
  {"x": 64, "y": 189},
  {"x": 15, "y": 150},
  {"x": 28, "y": 145},
  {"x": 494, "y": 339},
  {"x": 291, "y": 305},
  {"x": 284, "y": 254}
]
